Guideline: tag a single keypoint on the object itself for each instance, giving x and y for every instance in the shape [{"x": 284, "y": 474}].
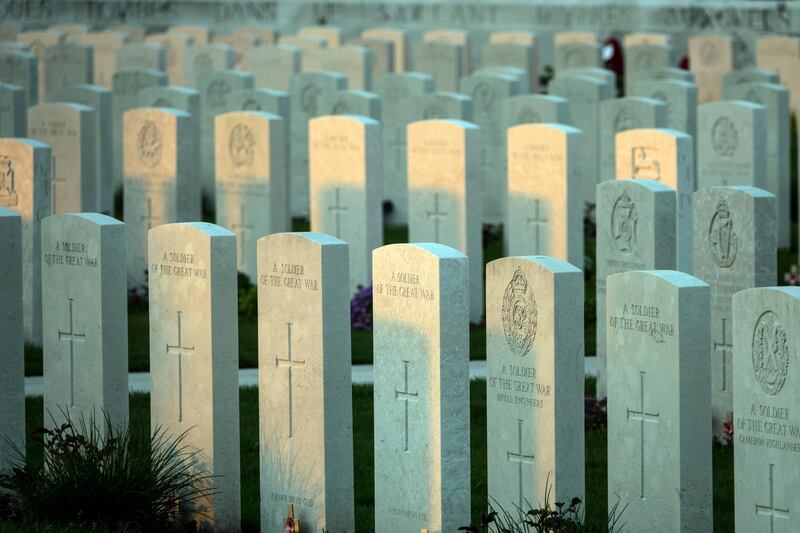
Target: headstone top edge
[
  {"x": 323, "y": 239},
  {"x": 204, "y": 228},
  {"x": 177, "y": 113},
  {"x": 437, "y": 250},
  {"x": 739, "y": 103},
  {"x": 754, "y": 192},
  {"x": 73, "y": 106},
  {"x": 564, "y": 128},
  {"x": 245, "y": 114},
  {"x": 550, "y": 263},
  {"x": 674, "y": 277},
  {"x": 96, "y": 218},
  {"x": 653, "y": 186},
  {"x": 664, "y": 132},
  {"x": 7, "y": 212},
  {"x": 453, "y": 122},
  {"x": 366, "y": 121}
]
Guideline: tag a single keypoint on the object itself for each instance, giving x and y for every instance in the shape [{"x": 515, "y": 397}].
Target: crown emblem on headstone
[
  {"x": 624, "y": 223},
  {"x": 770, "y": 353},
  {"x": 723, "y": 241},
  {"x": 519, "y": 314},
  {"x": 8, "y": 182}
]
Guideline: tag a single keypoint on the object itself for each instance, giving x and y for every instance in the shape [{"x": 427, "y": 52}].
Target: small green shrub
[{"x": 96, "y": 476}]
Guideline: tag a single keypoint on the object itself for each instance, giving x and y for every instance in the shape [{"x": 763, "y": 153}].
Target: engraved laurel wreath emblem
[
  {"x": 241, "y": 145},
  {"x": 624, "y": 223},
  {"x": 724, "y": 137},
  {"x": 150, "y": 144},
  {"x": 519, "y": 314},
  {"x": 721, "y": 236},
  {"x": 770, "y": 353}
]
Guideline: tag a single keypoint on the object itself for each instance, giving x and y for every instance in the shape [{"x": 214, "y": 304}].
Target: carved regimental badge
[
  {"x": 340, "y": 108},
  {"x": 625, "y": 120},
  {"x": 519, "y": 314},
  {"x": 8, "y": 182},
  {"x": 150, "y": 144},
  {"x": 709, "y": 54},
  {"x": 308, "y": 99},
  {"x": 770, "y": 353},
  {"x": 624, "y": 222},
  {"x": 202, "y": 63},
  {"x": 251, "y": 105},
  {"x": 644, "y": 59},
  {"x": 528, "y": 116},
  {"x": 484, "y": 97},
  {"x": 163, "y": 102},
  {"x": 433, "y": 111},
  {"x": 722, "y": 239},
  {"x": 241, "y": 145},
  {"x": 218, "y": 91},
  {"x": 724, "y": 137},
  {"x": 575, "y": 58}
]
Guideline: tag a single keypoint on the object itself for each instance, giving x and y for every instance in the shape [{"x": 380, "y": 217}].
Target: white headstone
[
  {"x": 444, "y": 194},
  {"x": 635, "y": 231},
  {"x": 305, "y": 391},
  {"x": 310, "y": 47},
  {"x": 18, "y": 67},
  {"x": 622, "y": 114},
  {"x": 534, "y": 383},
  {"x": 105, "y": 45},
  {"x": 13, "y": 116},
  {"x": 420, "y": 306},
  {"x": 84, "y": 320},
  {"x": 67, "y": 64},
  {"x": 545, "y": 215},
  {"x": 659, "y": 402},
  {"x": 12, "y": 349},
  {"x": 273, "y": 65},
  {"x": 147, "y": 56},
  {"x": 734, "y": 250},
  {"x": 204, "y": 59},
  {"x": 710, "y": 57},
  {"x": 38, "y": 41},
  {"x": 194, "y": 357},
  {"x": 442, "y": 60},
  {"x": 353, "y": 62},
  {"x": 347, "y": 187},
  {"x": 680, "y": 97},
  {"x": 446, "y": 105},
  {"x": 176, "y": 49},
  {"x": 397, "y": 36},
  {"x": 331, "y": 34},
  {"x": 514, "y": 54},
  {"x": 453, "y": 35}
]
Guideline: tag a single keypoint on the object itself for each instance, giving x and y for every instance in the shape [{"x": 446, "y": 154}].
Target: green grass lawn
[{"x": 596, "y": 493}]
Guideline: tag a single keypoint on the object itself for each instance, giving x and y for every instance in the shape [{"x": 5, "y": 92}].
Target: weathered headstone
[
  {"x": 194, "y": 358},
  {"x": 242, "y": 44},
  {"x": 382, "y": 55},
  {"x": 38, "y": 41},
  {"x": 444, "y": 194},
  {"x": 635, "y": 231},
  {"x": 442, "y": 60},
  {"x": 775, "y": 99},
  {"x": 305, "y": 91},
  {"x": 25, "y": 177},
  {"x": 84, "y": 320},
  {"x": 69, "y": 130},
  {"x": 399, "y": 93},
  {"x": 310, "y": 47},
  {"x": 488, "y": 90},
  {"x": 12, "y": 349},
  {"x": 159, "y": 188},
  {"x": 446, "y": 105},
  {"x": 99, "y": 99},
  {"x": 520, "y": 75},
  {"x": 273, "y": 66},
  {"x": 605, "y": 75},
  {"x": 267, "y": 100},
  {"x": 535, "y": 108},
  {"x": 659, "y": 404},
  {"x": 347, "y": 187},
  {"x": 735, "y": 78},
  {"x": 350, "y": 102},
  {"x": 126, "y": 86},
  {"x": 622, "y": 114},
  {"x": 641, "y": 59},
  {"x": 679, "y": 96},
  {"x": 734, "y": 249},
  {"x": 67, "y": 64},
  {"x": 145, "y": 56},
  {"x": 13, "y": 118},
  {"x": 731, "y": 144},
  {"x": 765, "y": 402},
  {"x": 215, "y": 89},
  {"x": 781, "y": 54},
  {"x": 577, "y": 54},
  {"x": 421, "y": 317},
  {"x": 176, "y": 49},
  {"x": 400, "y": 39},
  {"x": 251, "y": 180},
  {"x": 18, "y": 67},
  {"x": 545, "y": 216},
  {"x": 353, "y": 62},
  {"x": 304, "y": 382},
  {"x": 105, "y": 45},
  {"x": 333, "y": 36},
  {"x": 514, "y": 54},
  {"x": 534, "y": 383},
  {"x": 666, "y": 156},
  {"x": 710, "y": 57},
  {"x": 205, "y": 59},
  {"x": 585, "y": 95},
  {"x": 453, "y": 35}
]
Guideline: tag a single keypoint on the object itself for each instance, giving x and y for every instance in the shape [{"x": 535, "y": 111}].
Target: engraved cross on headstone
[
  {"x": 538, "y": 220},
  {"x": 771, "y": 510},
  {"x": 436, "y": 215},
  {"x": 338, "y": 209},
  {"x": 241, "y": 228},
  {"x": 180, "y": 350},
  {"x": 642, "y": 416},
  {"x": 72, "y": 337},
  {"x": 519, "y": 458},
  {"x": 289, "y": 364},
  {"x": 726, "y": 348},
  {"x": 149, "y": 216},
  {"x": 406, "y": 396}
]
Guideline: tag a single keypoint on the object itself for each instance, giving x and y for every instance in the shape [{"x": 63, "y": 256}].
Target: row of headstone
[{"x": 659, "y": 326}]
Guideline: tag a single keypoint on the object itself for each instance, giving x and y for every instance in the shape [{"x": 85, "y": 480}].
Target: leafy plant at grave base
[
  {"x": 560, "y": 518},
  {"x": 248, "y": 297},
  {"x": 96, "y": 476},
  {"x": 139, "y": 297},
  {"x": 361, "y": 309},
  {"x": 595, "y": 413}
]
